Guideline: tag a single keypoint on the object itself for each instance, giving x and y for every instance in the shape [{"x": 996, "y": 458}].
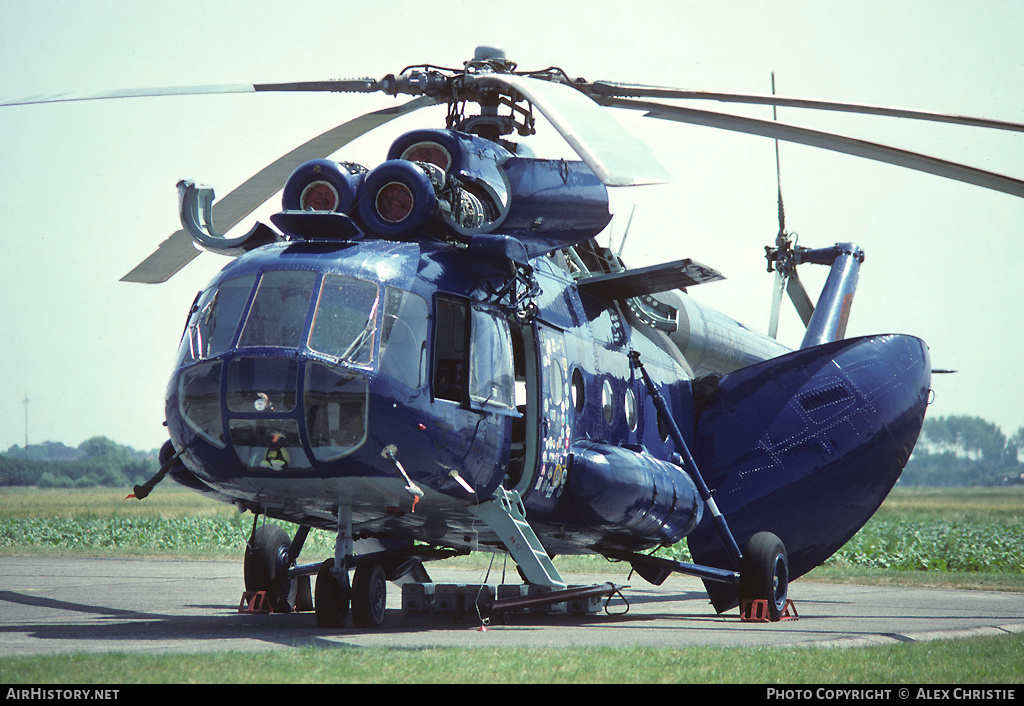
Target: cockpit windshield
[
  {"x": 278, "y": 312},
  {"x": 343, "y": 321},
  {"x": 277, "y": 364}
]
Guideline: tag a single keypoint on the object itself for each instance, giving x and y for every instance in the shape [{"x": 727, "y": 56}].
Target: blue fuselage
[
  {"x": 390, "y": 379},
  {"x": 412, "y": 355}
]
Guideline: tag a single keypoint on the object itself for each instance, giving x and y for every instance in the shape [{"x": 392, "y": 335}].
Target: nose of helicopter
[
  {"x": 270, "y": 412},
  {"x": 270, "y": 426}
]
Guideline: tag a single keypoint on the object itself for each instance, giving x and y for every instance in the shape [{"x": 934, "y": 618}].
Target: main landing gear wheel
[
  {"x": 266, "y": 566},
  {"x": 764, "y": 573},
  {"x": 369, "y": 596},
  {"x": 331, "y": 597}
]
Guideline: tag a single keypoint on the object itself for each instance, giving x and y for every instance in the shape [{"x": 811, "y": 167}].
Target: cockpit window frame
[
  {"x": 404, "y": 336},
  {"x": 301, "y": 337},
  {"x": 493, "y": 356},
  {"x": 289, "y": 338},
  {"x": 450, "y": 349},
  {"x": 198, "y": 343},
  {"x": 459, "y": 357},
  {"x": 362, "y": 351}
]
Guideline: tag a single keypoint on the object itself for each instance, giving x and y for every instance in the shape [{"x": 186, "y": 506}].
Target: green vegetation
[
  {"x": 952, "y": 451},
  {"x": 928, "y": 529},
  {"x": 967, "y": 537},
  {"x": 970, "y": 537},
  {"x": 963, "y": 538},
  {"x": 993, "y": 660},
  {"x": 171, "y": 522}
]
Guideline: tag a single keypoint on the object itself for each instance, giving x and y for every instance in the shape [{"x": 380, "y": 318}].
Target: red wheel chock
[
  {"x": 255, "y": 602},
  {"x": 756, "y": 611}
]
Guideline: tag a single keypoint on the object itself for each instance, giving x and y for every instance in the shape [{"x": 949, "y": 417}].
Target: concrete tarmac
[{"x": 62, "y": 605}]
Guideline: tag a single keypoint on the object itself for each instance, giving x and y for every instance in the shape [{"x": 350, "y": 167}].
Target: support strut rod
[{"x": 690, "y": 466}]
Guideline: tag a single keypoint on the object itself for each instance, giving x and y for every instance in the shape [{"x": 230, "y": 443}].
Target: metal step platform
[{"x": 499, "y": 600}]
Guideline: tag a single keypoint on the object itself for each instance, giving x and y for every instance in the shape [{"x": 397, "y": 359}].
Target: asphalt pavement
[{"x": 62, "y": 605}]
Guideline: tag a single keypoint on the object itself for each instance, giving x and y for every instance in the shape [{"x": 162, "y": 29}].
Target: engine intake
[
  {"x": 323, "y": 185},
  {"x": 397, "y": 199}
]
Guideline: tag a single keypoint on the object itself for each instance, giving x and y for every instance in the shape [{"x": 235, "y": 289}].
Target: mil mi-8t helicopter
[{"x": 434, "y": 356}]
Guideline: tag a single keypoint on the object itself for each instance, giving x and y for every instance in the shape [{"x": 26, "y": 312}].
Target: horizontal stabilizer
[{"x": 649, "y": 280}]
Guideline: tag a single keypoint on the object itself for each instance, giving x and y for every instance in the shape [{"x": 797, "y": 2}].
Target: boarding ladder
[{"x": 505, "y": 515}]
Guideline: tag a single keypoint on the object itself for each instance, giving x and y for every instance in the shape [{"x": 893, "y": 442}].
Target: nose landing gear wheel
[
  {"x": 369, "y": 596},
  {"x": 331, "y": 597},
  {"x": 266, "y": 564},
  {"x": 764, "y": 573}
]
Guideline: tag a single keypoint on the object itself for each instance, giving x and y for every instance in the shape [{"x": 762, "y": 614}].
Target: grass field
[
  {"x": 964, "y": 538},
  {"x": 976, "y": 661},
  {"x": 949, "y": 538}
]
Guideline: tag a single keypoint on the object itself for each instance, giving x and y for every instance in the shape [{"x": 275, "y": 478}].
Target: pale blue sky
[{"x": 87, "y": 189}]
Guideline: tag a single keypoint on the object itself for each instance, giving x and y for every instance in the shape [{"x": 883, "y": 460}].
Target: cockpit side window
[
  {"x": 451, "y": 339},
  {"x": 278, "y": 312},
  {"x": 473, "y": 360},
  {"x": 212, "y": 325},
  {"x": 491, "y": 375},
  {"x": 403, "y": 340}
]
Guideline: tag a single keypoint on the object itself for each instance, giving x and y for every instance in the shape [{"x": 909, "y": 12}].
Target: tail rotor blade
[
  {"x": 778, "y": 287},
  {"x": 802, "y": 302}
]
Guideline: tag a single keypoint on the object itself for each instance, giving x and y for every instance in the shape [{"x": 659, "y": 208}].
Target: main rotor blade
[
  {"x": 362, "y": 85},
  {"x": 611, "y": 89},
  {"x": 615, "y": 156},
  {"x": 177, "y": 251},
  {"x": 825, "y": 140}
]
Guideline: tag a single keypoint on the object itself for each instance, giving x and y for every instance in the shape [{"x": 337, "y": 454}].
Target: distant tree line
[
  {"x": 952, "y": 451},
  {"x": 962, "y": 451},
  {"x": 96, "y": 461}
]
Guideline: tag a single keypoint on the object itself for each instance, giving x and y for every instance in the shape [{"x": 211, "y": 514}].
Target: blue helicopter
[{"x": 434, "y": 356}]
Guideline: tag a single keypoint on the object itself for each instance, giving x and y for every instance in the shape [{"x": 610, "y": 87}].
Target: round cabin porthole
[
  {"x": 556, "y": 381},
  {"x": 630, "y": 409},
  {"x": 577, "y": 390},
  {"x": 608, "y": 401}
]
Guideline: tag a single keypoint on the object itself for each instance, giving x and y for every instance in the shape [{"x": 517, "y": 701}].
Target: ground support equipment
[
  {"x": 488, "y": 601},
  {"x": 756, "y": 611}
]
